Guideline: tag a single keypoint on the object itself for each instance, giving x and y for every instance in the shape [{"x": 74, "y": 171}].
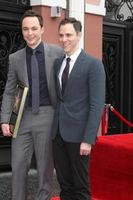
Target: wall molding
[
  {"x": 60, "y": 3},
  {"x": 89, "y": 7},
  {"x": 96, "y": 9}
]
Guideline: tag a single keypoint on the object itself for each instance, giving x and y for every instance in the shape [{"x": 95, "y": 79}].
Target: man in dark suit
[
  {"x": 78, "y": 112},
  {"x": 35, "y": 127}
]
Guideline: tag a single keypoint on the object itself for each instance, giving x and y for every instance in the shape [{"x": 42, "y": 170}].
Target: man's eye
[
  {"x": 25, "y": 29},
  {"x": 60, "y": 35},
  {"x": 68, "y": 35},
  {"x": 34, "y": 28}
]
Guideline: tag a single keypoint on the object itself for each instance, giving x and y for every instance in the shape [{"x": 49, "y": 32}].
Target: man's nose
[
  {"x": 29, "y": 31},
  {"x": 64, "y": 38}
]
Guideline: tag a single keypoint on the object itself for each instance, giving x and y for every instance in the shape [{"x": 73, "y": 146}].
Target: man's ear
[
  {"x": 79, "y": 35},
  {"x": 42, "y": 29}
]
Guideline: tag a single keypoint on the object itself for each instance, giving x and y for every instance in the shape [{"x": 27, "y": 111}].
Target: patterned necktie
[
  {"x": 65, "y": 74},
  {"x": 35, "y": 83}
]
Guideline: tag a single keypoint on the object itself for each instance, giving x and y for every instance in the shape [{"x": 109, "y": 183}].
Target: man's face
[
  {"x": 32, "y": 31},
  {"x": 69, "y": 38}
]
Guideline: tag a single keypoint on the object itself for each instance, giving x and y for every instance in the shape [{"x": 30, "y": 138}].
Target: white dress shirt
[{"x": 73, "y": 58}]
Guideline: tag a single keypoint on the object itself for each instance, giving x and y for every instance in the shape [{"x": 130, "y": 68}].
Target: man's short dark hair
[
  {"x": 76, "y": 24},
  {"x": 32, "y": 13}
]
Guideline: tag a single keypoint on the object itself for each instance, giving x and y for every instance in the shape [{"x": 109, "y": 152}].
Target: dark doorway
[{"x": 10, "y": 41}]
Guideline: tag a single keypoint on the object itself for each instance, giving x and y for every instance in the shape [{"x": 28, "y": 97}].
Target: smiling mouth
[
  {"x": 30, "y": 39},
  {"x": 65, "y": 46}
]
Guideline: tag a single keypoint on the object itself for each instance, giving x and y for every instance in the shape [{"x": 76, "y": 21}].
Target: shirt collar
[
  {"x": 39, "y": 48},
  {"x": 74, "y": 55}
]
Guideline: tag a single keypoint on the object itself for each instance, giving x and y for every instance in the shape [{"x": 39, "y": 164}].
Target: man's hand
[
  {"x": 85, "y": 149},
  {"x": 6, "y": 130}
]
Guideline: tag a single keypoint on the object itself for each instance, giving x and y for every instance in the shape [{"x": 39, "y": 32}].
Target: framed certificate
[{"x": 17, "y": 109}]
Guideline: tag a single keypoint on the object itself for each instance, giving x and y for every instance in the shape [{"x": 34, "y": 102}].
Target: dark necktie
[
  {"x": 65, "y": 74},
  {"x": 35, "y": 83}
]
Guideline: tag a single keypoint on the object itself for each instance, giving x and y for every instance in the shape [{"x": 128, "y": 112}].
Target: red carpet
[{"x": 112, "y": 168}]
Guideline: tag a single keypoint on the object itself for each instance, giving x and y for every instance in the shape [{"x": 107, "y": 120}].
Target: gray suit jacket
[
  {"x": 18, "y": 74},
  {"x": 78, "y": 111}
]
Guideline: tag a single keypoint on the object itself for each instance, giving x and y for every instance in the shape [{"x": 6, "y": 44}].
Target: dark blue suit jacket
[{"x": 78, "y": 111}]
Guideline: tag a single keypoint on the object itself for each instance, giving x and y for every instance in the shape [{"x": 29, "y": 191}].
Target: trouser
[
  {"x": 33, "y": 136},
  {"x": 72, "y": 170}
]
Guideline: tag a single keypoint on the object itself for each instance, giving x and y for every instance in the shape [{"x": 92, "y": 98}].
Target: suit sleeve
[
  {"x": 96, "y": 86},
  {"x": 9, "y": 92}
]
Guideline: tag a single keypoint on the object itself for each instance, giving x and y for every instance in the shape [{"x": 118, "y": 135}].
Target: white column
[{"x": 76, "y": 9}]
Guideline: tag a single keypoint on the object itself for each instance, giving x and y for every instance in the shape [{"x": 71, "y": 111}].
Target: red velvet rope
[
  {"x": 120, "y": 116},
  {"x": 104, "y": 122}
]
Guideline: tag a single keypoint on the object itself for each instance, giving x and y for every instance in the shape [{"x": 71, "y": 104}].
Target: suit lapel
[
  {"x": 76, "y": 70},
  {"x": 58, "y": 67},
  {"x": 47, "y": 64},
  {"x": 50, "y": 72},
  {"x": 23, "y": 67}
]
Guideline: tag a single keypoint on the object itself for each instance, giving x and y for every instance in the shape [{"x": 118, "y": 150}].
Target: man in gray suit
[
  {"x": 78, "y": 112},
  {"x": 35, "y": 126}
]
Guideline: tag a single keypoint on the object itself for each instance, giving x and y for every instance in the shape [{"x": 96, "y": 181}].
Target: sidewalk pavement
[{"x": 5, "y": 185}]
